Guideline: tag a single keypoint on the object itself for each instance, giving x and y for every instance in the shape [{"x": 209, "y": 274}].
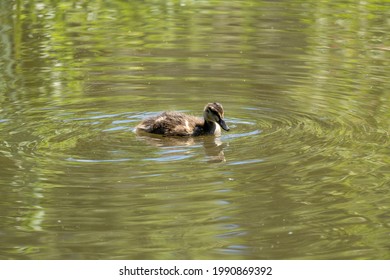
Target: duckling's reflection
[
  {"x": 214, "y": 149},
  {"x": 213, "y": 146}
]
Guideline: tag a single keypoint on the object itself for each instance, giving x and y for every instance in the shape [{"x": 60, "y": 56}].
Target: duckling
[{"x": 179, "y": 124}]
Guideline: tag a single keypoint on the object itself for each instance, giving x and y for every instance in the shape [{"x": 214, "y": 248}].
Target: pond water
[{"x": 304, "y": 172}]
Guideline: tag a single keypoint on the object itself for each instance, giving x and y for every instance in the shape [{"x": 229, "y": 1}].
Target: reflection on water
[
  {"x": 177, "y": 148},
  {"x": 302, "y": 174}
]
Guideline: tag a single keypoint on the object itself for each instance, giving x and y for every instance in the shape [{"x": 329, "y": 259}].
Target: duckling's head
[{"x": 213, "y": 112}]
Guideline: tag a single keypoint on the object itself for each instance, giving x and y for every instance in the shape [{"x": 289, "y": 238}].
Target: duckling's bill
[{"x": 222, "y": 123}]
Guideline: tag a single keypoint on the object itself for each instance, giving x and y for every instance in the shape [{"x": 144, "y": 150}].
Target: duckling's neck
[{"x": 211, "y": 128}]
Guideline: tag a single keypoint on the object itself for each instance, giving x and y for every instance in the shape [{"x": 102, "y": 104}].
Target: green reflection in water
[{"x": 303, "y": 173}]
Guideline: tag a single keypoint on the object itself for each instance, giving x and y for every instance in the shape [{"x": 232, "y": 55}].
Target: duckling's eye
[{"x": 213, "y": 112}]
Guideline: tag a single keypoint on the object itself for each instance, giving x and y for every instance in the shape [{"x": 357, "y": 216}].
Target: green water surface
[{"x": 304, "y": 172}]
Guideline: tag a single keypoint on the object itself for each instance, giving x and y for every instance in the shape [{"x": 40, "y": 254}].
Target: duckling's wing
[{"x": 177, "y": 124}]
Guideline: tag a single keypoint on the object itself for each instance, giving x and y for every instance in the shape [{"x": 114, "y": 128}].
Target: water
[{"x": 302, "y": 174}]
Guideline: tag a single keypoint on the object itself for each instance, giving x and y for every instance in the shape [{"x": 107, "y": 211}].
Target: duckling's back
[{"x": 170, "y": 124}]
